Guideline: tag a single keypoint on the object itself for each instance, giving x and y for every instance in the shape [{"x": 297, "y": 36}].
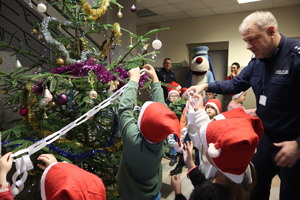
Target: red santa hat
[
  {"x": 231, "y": 143},
  {"x": 68, "y": 182},
  {"x": 173, "y": 85},
  {"x": 183, "y": 92},
  {"x": 173, "y": 91},
  {"x": 214, "y": 103},
  {"x": 240, "y": 113},
  {"x": 156, "y": 121}
]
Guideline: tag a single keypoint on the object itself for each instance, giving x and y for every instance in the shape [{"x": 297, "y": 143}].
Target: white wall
[{"x": 215, "y": 29}]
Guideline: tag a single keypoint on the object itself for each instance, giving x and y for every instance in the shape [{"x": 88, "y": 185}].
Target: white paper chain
[{"x": 24, "y": 164}]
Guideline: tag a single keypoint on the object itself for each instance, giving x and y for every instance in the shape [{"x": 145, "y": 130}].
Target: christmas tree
[{"x": 82, "y": 75}]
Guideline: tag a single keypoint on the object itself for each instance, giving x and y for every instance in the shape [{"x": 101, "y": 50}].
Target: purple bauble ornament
[
  {"x": 62, "y": 99},
  {"x": 133, "y": 8}
]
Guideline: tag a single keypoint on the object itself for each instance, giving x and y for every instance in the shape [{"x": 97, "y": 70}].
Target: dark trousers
[
  {"x": 181, "y": 160},
  {"x": 266, "y": 169}
]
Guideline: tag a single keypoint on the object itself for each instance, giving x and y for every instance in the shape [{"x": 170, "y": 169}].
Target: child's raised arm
[
  {"x": 151, "y": 73},
  {"x": 134, "y": 74},
  {"x": 5, "y": 166}
]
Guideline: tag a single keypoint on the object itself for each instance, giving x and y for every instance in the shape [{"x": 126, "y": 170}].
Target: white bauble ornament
[
  {"x": 18, "y": 65},
  {"x": 156, "y": 44},
  {"x": 47, "y": 96},
  {"x": 41, "y": 7}
]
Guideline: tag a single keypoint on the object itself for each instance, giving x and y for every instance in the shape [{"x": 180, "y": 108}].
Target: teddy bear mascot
[{"x": 201, "y": 70}]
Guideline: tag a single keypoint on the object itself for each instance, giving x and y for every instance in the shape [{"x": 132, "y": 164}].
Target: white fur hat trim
[
  {"x": 213, "y": 105},
  {"x": 142, "y": 110},
  {"x": 219, "y": 116},
  {"x": 212, "y": 151}
]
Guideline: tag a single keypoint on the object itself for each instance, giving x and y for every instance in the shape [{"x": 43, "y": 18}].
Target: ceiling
[{"x": 154, "y": 11}]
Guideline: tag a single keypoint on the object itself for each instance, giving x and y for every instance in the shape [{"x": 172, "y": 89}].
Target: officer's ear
[{"x": 271, "y": 31}]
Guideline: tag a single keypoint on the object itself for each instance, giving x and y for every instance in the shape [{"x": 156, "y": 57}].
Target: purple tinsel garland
[{"x": 103, "y": 75}]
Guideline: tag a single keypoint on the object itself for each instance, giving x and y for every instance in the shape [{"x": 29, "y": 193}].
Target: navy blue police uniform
[
  {"x": 165, "y": 77},
  {"x": 275, "y": 82}
]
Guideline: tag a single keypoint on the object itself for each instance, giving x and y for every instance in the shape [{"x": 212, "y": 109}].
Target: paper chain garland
[{"x": 24, "y": 164}]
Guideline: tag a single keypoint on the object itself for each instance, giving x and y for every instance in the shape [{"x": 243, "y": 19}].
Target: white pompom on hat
[
  {"x": 231, "y": 142},
  {"x": 66, "y": 181},
  {"x": 156, "y": 121}
]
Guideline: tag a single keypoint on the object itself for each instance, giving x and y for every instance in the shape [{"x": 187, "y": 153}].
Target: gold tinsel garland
[
  {"x": 115, "y": 37},
  {"x": 95, "y": 14},
  {"x": 31, "y": 118},
  {"x": 116, "y": 32}
]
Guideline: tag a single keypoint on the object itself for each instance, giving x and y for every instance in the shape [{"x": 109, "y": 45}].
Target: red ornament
[
  {"x": 23, "y": 112},
  {"x": 62, "y": 99}
]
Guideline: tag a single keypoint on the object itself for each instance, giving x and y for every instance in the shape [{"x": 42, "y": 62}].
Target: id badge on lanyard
[{"x": 262, "y": 100}]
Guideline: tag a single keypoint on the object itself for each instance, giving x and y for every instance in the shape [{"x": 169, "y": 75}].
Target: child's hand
[
  {"x": 188, "y": 154},
  {"x": 5, "y": 163},
  {"x": 176, "y": 184},
  {"x": 197, "y": 89},
  {"x": 151, "y": 72},
  {"x": 47, "y": 159},
  {"x": 5, "y": 166},
  {"x": 199, "y": 100},
  {"x": 135, "y": 74}
]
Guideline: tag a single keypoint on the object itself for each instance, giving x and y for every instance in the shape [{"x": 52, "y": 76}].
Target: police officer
[
  {"x": 166, "y": 75},
  {"x": 274, "y": 75}
]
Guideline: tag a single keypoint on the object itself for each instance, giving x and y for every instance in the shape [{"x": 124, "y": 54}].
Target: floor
[{"x": 168, "y": 194}]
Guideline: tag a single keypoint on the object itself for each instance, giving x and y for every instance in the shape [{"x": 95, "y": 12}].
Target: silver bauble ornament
[
  {"x": 43, "y": 102},
  {"x": 93, "y": 94},
  {"x": 120, "y": 14}
]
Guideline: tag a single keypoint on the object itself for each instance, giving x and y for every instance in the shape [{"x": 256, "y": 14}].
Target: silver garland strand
[{"x": 59, "y": 45}]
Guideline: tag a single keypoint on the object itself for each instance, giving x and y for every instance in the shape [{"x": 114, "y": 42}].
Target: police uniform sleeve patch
[{"x": 296, "y": 49}]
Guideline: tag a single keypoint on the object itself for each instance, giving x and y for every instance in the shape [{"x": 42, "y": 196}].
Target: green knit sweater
[{"x": 140, "y": 170}]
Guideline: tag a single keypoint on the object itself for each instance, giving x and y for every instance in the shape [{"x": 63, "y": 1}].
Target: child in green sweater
[{"x": 144, "y": 142}]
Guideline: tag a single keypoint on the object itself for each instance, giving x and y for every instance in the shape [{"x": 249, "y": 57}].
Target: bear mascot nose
[{"x": 199, "y": 60}]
